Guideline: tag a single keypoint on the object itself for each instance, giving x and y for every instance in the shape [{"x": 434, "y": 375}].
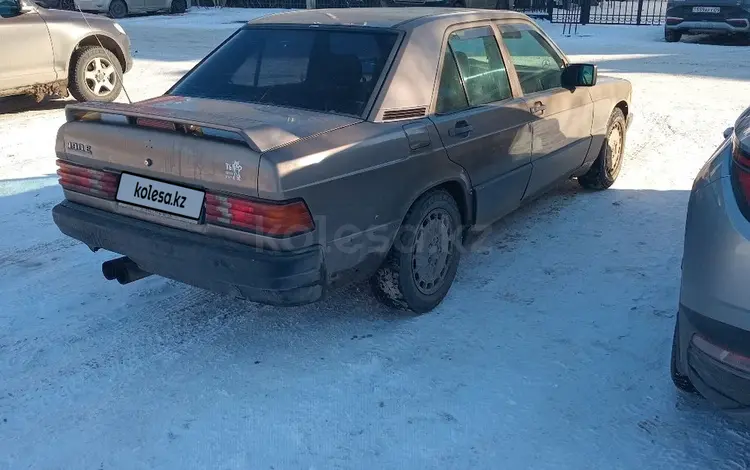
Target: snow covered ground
[{"x": 551, "y": 350}]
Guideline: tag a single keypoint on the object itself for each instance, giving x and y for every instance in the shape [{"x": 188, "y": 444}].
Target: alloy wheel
[{"x": 100, "y": 76}]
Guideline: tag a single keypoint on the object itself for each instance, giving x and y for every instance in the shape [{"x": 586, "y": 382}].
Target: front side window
[
  {"x": 538, "y": 65},
  {"x": 474, "y": 54},
  {"x": 321, "y": 70}
]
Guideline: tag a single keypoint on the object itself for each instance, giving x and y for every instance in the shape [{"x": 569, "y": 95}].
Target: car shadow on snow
[
  {"x": 21, "y": 104},
  {"x": 717, "y": 40}
]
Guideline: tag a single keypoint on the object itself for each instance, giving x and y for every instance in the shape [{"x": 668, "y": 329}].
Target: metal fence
[{"x": 624, "y": 12}]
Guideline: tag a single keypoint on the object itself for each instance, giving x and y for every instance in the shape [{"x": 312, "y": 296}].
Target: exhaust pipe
[{"x": 123, "y": 269}]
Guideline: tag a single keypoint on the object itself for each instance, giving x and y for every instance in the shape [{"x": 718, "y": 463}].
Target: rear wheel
[
  {"x": 178, "y": 6},
  {"x": 680, "y": 381},
  {"x": 671, "y": 35},
  {"x": 606, "y": 167},
  {"x": 118, "y": 9},
  {"x": 458, "y": 4},
  {"x": 95, "y": 75},
  {"x": 421, "y": 265}
]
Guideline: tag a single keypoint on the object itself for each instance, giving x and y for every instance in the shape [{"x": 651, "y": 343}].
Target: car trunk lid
[{"x": 201, "y": 143}]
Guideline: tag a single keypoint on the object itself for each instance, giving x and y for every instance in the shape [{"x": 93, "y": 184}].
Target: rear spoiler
[{"x": 173, "y": 120}]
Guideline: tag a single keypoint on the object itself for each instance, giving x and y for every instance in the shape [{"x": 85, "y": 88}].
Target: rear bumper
[
  {"x": 723, "y": 385},
  {"x": 222, "y": 266},
  {"x": 731, "y": 19},
  {"x": 708, "y": 27}
]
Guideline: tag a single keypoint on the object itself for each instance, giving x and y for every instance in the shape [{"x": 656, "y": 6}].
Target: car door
[
  {"x": 483, "y": 124},
  {"x": 562, "y": 117},
  {"x": 25, "y": 47},
  {"x": 155, "y": 5}
]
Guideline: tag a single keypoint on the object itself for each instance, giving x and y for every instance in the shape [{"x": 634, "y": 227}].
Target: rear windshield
[{"x": 322, "y": 70}]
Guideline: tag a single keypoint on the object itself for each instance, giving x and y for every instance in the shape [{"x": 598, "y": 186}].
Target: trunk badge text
[
  {"x": 147, "y": 162},
  {"x": 78, "y": 147}
]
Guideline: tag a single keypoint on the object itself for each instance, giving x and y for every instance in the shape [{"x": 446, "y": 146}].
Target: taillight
[
  {"x": 720, "y": 354},
  {"x": 278, "y": 220},
  {"x": 86, "y": 180},
  {"x": 741, "y": 162}
]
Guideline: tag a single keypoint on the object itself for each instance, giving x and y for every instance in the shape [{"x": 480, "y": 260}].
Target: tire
[
  {"x": 458, "y": 4},
  {"x": 178, "y": 6},
  {"x": 413, "y": 277},
  {"x": 118, "y": 9},
  {"x": 604, "y": 170},
  {"x": 682, "y": 382},
  {"x": 84, "y": 75},
  {"x": 671, "y": 35}
]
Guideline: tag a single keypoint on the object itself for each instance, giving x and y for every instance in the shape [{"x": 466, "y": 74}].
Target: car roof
[{"x": 400, "y": 18}]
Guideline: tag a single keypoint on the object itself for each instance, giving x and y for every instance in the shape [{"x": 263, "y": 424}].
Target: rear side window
[
  {"x": 321, "y": 70},
  {"x": 473, "y": 71}
]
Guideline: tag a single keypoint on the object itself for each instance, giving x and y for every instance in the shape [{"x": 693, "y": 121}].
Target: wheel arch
[
  {"x": 460, "y": 190},
  {"x": 98, "y": 40},
  {"x": 623, "y": 106}
]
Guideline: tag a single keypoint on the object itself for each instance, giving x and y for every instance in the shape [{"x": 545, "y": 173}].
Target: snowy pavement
[{"x": 550, "y": 352}]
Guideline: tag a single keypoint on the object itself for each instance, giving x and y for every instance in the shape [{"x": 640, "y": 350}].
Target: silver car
[
  {"x": 711, "y": 345},
  {"x": 51, "y": 52},
  {"x": 122, "y": 8}
]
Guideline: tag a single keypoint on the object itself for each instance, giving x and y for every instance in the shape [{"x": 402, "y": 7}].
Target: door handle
[
  {"x": 461, "y": 129},
  {"x": 538, "y": 108}
]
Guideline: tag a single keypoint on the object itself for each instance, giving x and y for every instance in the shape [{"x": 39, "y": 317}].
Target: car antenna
[{"x": 120, "y": 77}]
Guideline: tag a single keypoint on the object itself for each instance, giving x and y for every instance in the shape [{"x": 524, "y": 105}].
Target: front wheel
[
  {"x": 95, "y": 75},
  {"x": 606, "y": 167},
  {"x": 671, "y": 35},
  {"x": 422, "y": 263}
]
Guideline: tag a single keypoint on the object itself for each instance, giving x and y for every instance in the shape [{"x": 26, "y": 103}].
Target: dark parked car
[
  {"x": 719, "y": 17},
  {"x": 315, "y": 148},
  {"x": 711, "y": 345},
  {"x": 50, "y": 52}
]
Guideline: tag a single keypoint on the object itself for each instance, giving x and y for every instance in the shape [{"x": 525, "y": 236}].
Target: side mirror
[
  {"x": 575, "y": 75},
  {"x": 10, "y": 9},
  {"x": 14, "y": 8}
]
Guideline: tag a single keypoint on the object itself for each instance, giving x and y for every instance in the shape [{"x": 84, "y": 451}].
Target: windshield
[{"x": 322, "y": 70}]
